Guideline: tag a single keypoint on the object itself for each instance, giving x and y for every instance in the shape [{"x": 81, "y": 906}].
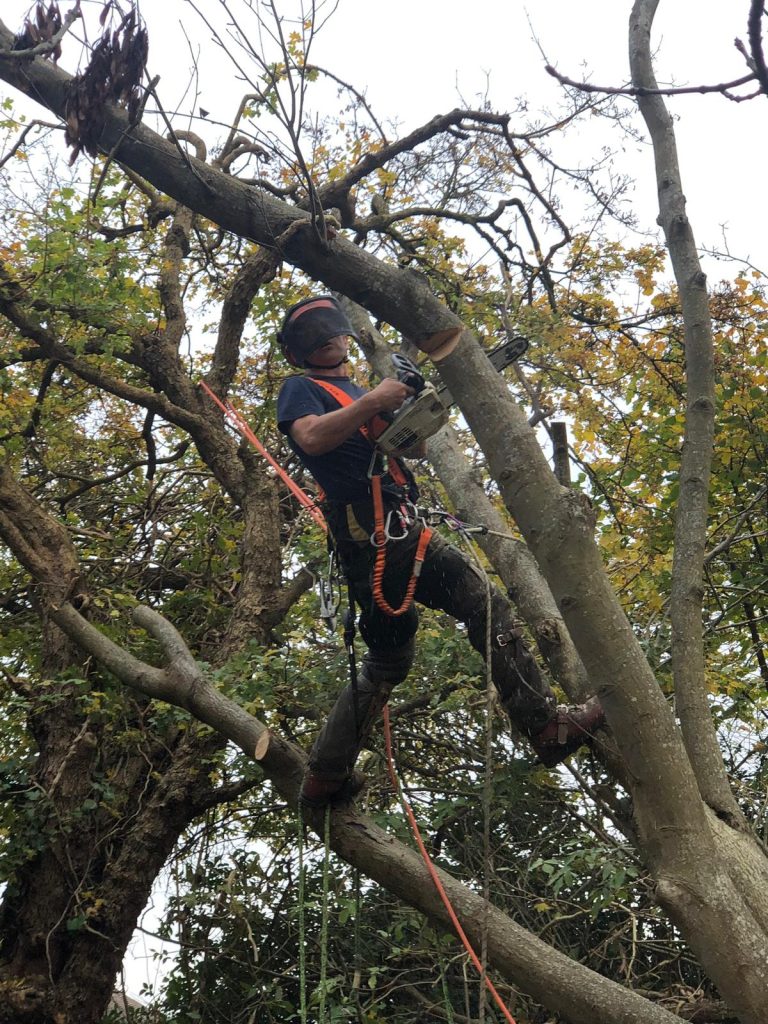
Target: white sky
[
  {"x": 414, "y": 57},
  {"x": 417, "y": 58}
]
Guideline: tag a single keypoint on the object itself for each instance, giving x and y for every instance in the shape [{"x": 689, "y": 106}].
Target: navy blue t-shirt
[{"x": 343, "y": 472}]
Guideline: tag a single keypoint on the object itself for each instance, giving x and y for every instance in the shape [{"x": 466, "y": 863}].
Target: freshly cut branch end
[
  {"x": 438, "y": 346},
  {"x": 262, "y": 746}
]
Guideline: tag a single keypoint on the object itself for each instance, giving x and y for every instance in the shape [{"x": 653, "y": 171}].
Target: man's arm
[{"x": 317, "y": 435}]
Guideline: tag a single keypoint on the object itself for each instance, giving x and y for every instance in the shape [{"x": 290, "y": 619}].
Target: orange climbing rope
[
  {"x": 240, "y": 425},
  {"x": 380, "y": 542},
  {"x": 433, "y": 870}
]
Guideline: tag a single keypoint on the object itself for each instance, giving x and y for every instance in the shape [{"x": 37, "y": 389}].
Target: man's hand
[{"x": 389, "y": 395}]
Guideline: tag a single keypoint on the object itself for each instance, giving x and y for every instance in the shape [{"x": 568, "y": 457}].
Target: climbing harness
[
  {"x": 406, "y": 515},
  {"x": 381, "y": 536},
  {"x": 382, "y": 533}
]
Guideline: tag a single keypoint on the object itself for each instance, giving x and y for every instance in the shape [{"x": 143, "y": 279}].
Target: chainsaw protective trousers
[
  {"x": 353, "y": 715},
  {"x": 450, "y": 582}
]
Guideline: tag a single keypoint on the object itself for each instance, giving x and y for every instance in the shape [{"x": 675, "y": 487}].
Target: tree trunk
[
  {"x": 696, "y": 458},
  {"x": 68, "y": 913}
]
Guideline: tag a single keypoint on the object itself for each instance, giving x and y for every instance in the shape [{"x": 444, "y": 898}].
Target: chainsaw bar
[{"x": 500, "y": 357}]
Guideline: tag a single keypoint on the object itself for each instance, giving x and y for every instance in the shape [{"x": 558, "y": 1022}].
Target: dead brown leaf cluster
[
  {"x": 113, "y": 75},
  {"x": 46, "y": 25}
]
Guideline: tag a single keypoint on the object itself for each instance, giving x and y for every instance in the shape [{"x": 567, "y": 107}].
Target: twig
[
  {"x": 48, "y": 45},
  {"x": 755, "y": 23},
  {"x": 132, "y": 124},
  {"x": 151, "y": 88},
  {"x": 629, "y": 90},
  {"x": 20, "y": 141}
]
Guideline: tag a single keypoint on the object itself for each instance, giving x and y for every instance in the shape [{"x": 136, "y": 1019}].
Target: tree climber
[{"x": 325, "y": 416}]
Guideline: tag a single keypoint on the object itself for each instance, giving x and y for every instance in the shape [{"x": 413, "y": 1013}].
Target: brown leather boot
[{"x": 569, "y": 728}]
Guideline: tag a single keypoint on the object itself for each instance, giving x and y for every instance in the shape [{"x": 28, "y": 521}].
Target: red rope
[
  {"x": 433, "y": 870},
  {"x": 239, "y": 424}
]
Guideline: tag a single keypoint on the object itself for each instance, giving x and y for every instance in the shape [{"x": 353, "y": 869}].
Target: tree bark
[{"x": 691, "y": 516}]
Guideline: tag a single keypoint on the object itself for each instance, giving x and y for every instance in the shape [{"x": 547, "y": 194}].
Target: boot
[{"x": 568, "y": 729}]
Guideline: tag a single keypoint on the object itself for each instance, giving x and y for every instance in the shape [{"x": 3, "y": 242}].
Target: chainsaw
[{"x": 423, "y": 413}]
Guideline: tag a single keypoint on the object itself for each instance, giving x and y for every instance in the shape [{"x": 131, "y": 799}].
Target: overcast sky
[{"x": 417, "y": 58}]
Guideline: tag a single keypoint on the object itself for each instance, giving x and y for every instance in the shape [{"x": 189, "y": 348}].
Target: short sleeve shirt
[{"x": 343, "y": 472}]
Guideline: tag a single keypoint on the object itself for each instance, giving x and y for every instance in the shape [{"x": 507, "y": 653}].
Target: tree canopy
[{"x": 163, "y": 666}]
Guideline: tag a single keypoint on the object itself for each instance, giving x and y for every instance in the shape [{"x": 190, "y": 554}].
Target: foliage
[{"x": 131, "y": 287}]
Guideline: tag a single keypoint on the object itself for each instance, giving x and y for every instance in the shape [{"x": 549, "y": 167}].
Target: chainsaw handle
[{"x": 408, "y": 372}]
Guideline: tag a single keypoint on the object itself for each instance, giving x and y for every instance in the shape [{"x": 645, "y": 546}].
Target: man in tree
[{"x": 390, "y": 558}]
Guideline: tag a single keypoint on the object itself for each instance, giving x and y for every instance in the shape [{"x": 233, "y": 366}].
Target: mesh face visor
[{"x": 310, "y": 324}]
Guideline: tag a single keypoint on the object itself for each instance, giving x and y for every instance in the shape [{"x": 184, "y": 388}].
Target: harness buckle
[{"x": 506, "y": 638}]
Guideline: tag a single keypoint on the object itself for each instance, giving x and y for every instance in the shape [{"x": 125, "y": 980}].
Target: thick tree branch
[
  {"x": 258, "y": 268},
  {"x": 695, "y": 464},
  {"x": 175, "y": 248}
]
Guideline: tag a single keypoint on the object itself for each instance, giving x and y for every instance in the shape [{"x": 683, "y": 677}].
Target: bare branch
[
  {"x": 639, "y": 90},
  {"x": 50, "y": 45},
  {"x": 257, "y": 270},
  {"x": 372, "y": 161},
  {"x": 22, "y": 138},
  {"x": 755, "y": 23},
  {"x": 351, "y": 89}
]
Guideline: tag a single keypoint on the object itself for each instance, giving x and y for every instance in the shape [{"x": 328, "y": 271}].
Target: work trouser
[{"x": 450, "y": 582}]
